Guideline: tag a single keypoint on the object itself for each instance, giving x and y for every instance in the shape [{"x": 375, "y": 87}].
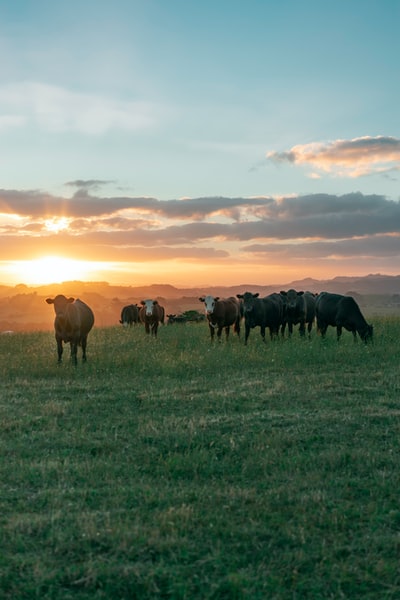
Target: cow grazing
[
  {"x": 73, "y": 321},
  {"x": 221, "y": 314},
  {"x": 129, "y": 315},
  {"x": 173, "y": 318},
  {"x": 341, "y": 311},
  {"x": 151, "y": 314},
  {"x": 299, "y": 309},
  {"x": 262, "y": 312}
]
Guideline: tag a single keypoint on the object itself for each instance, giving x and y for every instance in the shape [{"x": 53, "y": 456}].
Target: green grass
[{"x": 173, "y": 468}]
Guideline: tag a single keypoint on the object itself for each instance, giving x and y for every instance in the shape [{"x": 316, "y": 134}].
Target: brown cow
[
  {"x": 73, "y": 321},
  {"x": 221, "y": 314},
  {"x": 151, "y": 314}
]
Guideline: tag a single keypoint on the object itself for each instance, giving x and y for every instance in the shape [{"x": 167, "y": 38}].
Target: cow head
[
  {"x": 367, "y": 334},
  {"x": 209, "y": 303},
  {"x": 148, "y": 304},
  {"x": 248, "y": 300},
  {"x": 60, "y": 302},
  {"x": 290, "y": 298}
]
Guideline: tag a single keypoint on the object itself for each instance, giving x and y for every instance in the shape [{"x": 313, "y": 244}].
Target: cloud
[
  {"x": 221, "y": 230},
  {"x": 345, "y": 158},
  {"x": 59, "y": 110}
]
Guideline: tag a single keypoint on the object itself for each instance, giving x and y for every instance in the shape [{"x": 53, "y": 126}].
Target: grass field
[{"x": 173, "y": 468}]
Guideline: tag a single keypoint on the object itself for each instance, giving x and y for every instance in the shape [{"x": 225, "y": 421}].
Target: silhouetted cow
[
  {"x": 341, "y": 311},
  {"x": 151, "y": 314},
  {"x": 221, "y": 314},
  {"x": 262, "y": 312},
  {"x": 299, "y": 308},
  {"x": 129, "y": 315},
  {"x": 73, "y": 321}
]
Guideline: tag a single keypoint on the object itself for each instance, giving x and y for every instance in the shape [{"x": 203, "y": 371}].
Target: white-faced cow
[
  {"x": 299, "y": 309},
  {"x": 262, "y": 312},
  {"x": 73, "y": 321},
  {"x": 341, "y": 311},
  {"x": 129, "y": 315},
  {"x": 151, "y": 314},
  {"x": 221, "y": 314}
]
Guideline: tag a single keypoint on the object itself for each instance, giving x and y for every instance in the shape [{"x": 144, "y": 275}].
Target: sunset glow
[
  {"x": 161, "y": 178},
  {"x": 50, "y": 269}
]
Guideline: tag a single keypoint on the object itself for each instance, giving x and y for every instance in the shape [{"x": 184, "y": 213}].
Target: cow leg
[
  {"x": 290, "y": 328},
  {"x": 219, "y": 333},
  {"x": 59, "y": 349},
  {"x": 309, "y": 328},
  {"x": 338, "y": 332},
  {"x": 84, "y": 343},
  {"x": 302, "y": 328},
  {"x": 247, "y": 333},
  {"x": 147, "y": 327},
  {"x": 227, "y": 332},
  {"x": 211, "y": 332},
  {"x": 74, "y": 352},
  {"x": 154, "y": 329},
  {"x": 262, "y": 332}
]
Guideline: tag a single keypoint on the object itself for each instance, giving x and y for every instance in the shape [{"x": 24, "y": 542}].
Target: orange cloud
[{"x": 345, "y": 158}]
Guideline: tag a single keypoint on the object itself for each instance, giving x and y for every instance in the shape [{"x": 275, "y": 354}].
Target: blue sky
[{"x": 189, "y": 103}]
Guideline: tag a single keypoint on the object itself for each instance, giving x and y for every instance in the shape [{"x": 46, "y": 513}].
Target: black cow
[
  {"x": 262, "y": 312},
  {"x": 151, "y": 314},
  {"x": 221, "y": 314},
  {"x": 129, "y": 315},
  {"x": 173, "y": 318},
  {"x": 341, "y": 311},
  {"x": 299, "y": 309},
  {"x": 73, "y": 321}
]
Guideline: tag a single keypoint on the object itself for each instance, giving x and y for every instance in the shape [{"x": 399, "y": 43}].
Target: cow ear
[
  {"x": 282, "y": 293},
  {"x": 239, "y": 295},
  {"x": 49, "y": 300},
  {"x": 300, "y": 293},
  {"x": 216, "y": 298},
  {"x": 155, "y": 302},
  {"x": 256, "y": 295},
  {"x": 70, "y": 300},
  {"x": 202, "y": 299},
  {"x": 142, "y": 302}
]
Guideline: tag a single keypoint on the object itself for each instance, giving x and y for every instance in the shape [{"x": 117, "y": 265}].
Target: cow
[
  {"x": 151, "y": 314},
  {"x": 341, "y": 311},
  {"x": 262, "y": 312},
  {"x": 73, "y": 321},
  {"x": 129, "y": 315},
  {"x": 221, "y": 314},
  {"x": 299, "y": 309},
  {"x": 173, "y": 318}
]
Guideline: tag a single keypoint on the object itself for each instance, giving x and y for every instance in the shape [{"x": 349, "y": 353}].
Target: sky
[{"x": 199, "y": 143}]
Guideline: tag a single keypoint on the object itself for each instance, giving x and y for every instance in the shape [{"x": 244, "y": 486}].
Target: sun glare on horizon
[{"x": 50, "y": 269}]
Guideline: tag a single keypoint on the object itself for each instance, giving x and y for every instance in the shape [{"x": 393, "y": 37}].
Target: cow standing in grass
[
  {"x": 222, "y": 314},
  {"x": 341, "y": 311},
  {"x": 299, "y": 309},
  {"x": 73, "y": 321},
  {"x": 263, "y": 313},
  {"x": 129, "y": 315},
  {"x": 151, "y": 314}
]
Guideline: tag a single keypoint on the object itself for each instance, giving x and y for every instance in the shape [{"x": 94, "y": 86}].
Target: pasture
[{"x": 173, "y": 468}]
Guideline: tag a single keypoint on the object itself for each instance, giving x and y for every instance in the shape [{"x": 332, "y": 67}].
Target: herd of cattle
[{"x": 74, "y": 319}]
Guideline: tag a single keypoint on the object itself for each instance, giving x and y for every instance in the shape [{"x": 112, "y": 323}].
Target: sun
[{"x": 51, "y": 269}]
